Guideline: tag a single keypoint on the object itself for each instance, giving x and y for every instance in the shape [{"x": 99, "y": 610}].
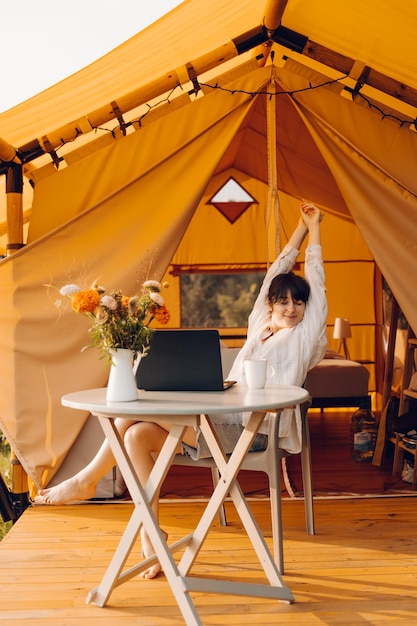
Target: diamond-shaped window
[{"x": 232, "y": 200}]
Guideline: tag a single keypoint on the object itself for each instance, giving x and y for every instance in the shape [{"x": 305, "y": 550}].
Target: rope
[{"x": 272, "y": 207}]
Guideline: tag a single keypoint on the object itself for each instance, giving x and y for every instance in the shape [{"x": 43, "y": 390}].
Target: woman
[{"x": 287, "y": 327}]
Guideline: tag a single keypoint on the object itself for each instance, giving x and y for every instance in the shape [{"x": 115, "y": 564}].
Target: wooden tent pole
[
  {"x": 19, "y": 486},
  {"x": 272, "y": 208},
  {"x": 389, "y": 369},
  {"x": 273, "y": 12},
  {"x": 271, "y": 21},
  {"x": 12, "y": 167},
  {"x": 392, "y": 337},
  {"x": 14, "y": 198},
  {"x": 14, "y": 195}
]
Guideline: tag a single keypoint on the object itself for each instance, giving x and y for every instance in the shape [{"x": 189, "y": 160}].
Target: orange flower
[
  {"x": 85, "y": 301},
  {"x": 161, "y": 314}
]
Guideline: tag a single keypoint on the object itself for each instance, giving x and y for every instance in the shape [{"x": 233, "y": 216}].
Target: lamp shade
[{"x": 341, "y": 328}]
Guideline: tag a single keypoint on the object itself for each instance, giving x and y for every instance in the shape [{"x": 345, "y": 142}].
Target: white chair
[{"x": 269, "y": 461}]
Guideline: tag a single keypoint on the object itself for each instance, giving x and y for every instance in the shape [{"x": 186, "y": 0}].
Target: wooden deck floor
[{"x": 360, "y": 567}]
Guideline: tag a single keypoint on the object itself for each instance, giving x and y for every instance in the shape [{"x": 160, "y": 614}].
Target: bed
[
  {"x": 334, "y": 382},
  {"x": 338, "y": 382}
]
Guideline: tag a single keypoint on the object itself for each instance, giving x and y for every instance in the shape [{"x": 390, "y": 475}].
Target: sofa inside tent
[{"x": 133, "y": 199}]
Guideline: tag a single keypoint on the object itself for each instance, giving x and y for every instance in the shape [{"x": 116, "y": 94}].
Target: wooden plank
[{"x": 360, "y": 567}]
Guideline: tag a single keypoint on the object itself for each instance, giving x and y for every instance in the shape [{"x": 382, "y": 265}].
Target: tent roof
[
  {"x": 378, "y": 33},
  {"x": 166, "y": 45},
  {"x": 350, "y": 36}
]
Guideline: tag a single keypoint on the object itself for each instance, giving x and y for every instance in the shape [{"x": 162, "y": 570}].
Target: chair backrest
[{"x": 228, "y": 356}]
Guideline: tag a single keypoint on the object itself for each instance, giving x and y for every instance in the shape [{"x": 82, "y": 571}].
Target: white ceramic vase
[{"x": 122, "y": 380}]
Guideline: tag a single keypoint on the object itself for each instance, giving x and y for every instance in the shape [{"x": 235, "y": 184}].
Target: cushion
[{"x": 335, "y": 378}]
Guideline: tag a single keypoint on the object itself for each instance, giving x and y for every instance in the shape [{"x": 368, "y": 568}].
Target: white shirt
[{"x": 292, "y": 352}]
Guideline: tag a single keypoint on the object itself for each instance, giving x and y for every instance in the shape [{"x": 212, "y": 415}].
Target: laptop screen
[{"x": 182, "y": 360}]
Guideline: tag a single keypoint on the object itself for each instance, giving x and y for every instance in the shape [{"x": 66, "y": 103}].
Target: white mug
[{"x": 256, "y": 372}]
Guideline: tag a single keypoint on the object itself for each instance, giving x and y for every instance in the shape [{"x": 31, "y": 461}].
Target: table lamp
[{"x": 342, "y": 332}]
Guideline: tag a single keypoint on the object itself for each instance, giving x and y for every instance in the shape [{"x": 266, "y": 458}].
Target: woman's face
[{"x": 286, "y": 313}]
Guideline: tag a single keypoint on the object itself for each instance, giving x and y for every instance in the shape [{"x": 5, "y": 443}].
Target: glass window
[{"x": 218, "y": 300}]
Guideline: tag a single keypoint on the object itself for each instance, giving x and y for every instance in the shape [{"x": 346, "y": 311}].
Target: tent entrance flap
[{"x": 70, "y": 206}]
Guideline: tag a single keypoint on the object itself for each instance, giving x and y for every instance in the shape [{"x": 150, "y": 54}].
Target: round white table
[{"x": 187, "y": 409}]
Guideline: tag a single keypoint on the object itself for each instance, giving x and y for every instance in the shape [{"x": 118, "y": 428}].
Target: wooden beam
[
  {"x": 162, "y": 84},
  {"x": 8, "y": 154},
  {"x": 369, "y": 76},
  {"x": 249, "y": 40}
]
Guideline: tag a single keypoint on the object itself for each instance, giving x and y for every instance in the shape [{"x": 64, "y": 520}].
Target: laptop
[{"x": 182, "y": 360}]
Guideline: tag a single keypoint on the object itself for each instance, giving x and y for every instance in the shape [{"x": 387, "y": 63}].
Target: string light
[
  {"x": 252, "y": 94},
  {"x": 379, "y": 110},
  {"x": 291, "y": 93}
]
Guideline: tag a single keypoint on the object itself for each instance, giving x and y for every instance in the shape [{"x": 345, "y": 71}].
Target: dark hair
[{"x": 284, "y": 283}]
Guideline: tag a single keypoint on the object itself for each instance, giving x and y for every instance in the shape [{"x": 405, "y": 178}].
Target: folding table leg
[
  {"x": 143, "y": 514},
  {"x": 228, "y": 484}
]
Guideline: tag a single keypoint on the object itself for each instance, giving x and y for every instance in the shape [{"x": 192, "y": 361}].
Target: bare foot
[
  {"x": 148, "y": 551},
  {"x": 68, "y": 491}
]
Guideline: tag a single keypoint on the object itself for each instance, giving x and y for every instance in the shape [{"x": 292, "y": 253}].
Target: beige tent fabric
[
  {"x": 386, "y": 214},
  {"x": 152, "y": 207},
  {"x": 373, "y": 162},
  {"x": 99, "y": 176},
  {"x": 377, "y": 33}
]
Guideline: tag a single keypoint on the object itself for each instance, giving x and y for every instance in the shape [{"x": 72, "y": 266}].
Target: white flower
[
  {"x": 109, "y": 302},
  {"x": 157, "y": 298},
  {"x": 152, "y": 284},
  {"x": 68, "y": 290}
]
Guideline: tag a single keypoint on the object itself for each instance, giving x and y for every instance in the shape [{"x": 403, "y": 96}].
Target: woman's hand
[
  {"x": 310, "y": 214},
  {"x": 308, "y": 223}
]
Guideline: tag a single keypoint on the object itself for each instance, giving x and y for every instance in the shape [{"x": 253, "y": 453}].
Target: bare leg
[
  {"x": 82, "y": 486},
  {"x": 142, "y": 441}
]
